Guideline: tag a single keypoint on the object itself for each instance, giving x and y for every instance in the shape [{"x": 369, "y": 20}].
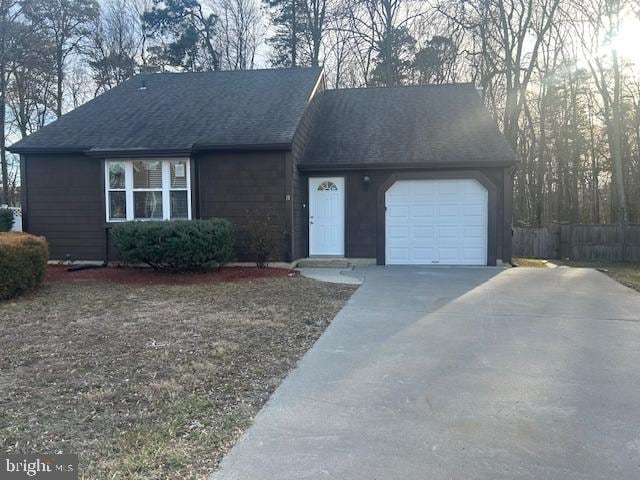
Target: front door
[{"x": 326, "y": 216}]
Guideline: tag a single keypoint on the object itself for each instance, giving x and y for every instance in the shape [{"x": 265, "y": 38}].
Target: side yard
[
  {"x": 627, "y": 274},
  {"x": 150, "y": 381}
]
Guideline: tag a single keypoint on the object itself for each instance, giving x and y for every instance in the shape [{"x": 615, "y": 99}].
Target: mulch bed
[{"x": 147, "y": 276}]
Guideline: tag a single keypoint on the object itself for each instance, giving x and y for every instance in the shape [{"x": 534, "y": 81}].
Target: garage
[
  {"x": 442, "y": 222},
  {"x": 426, "y": 174}
]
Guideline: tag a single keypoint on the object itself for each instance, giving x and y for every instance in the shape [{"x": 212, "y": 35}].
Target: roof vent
[{"x": 143, "y": 86}]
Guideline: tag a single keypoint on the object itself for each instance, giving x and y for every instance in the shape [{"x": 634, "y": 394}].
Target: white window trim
[{"x": 128, "y": 187}]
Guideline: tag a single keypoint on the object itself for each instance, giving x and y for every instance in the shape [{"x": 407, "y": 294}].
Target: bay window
[{"x": 147, "y": 189}]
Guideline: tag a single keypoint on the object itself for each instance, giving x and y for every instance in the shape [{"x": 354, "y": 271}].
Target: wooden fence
[
  {"x": 533, "y": 242},
  {"x": 604, "y": 243}
]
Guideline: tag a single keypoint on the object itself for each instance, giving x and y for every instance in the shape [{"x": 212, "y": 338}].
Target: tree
[
  {"x": 339, "y": 61},
  {"x": 382, "y": 38},
  {"x": 68, "y": 23},
  {"x": 394, "y": 58},
  {"x": 315, "y": 14},
  {"x": 139, "y": 7},
  {"x": 510, "y": 33},
  {"x": 79, "y": 87},
  {"x": 185, "y": 33},
  {"x": 288, "y": 20},
  {"x": 14, "y": 30},
  {"x": 30, "y": 89},
  {"x": 603, "y": 18},
  {"x": 436, "y": 61},
  {"x": 241, "y": 32},
  {"x": 114, "y": 45}
]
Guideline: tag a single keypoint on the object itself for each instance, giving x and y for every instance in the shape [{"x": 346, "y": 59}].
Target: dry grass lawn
[
  {"x": 530, "y": 262},
  {"x": 627, "y": 274},
  {"x": 150, "y": 382}
]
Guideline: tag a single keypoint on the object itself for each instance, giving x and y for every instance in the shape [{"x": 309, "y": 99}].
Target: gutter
[
  {"x": 51, "y": 150},
  {"x": 146, "y": 152},
  {"x": 401, "y": 166}
]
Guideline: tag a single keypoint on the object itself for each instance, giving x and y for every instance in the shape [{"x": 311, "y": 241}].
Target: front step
[{"x": 323, "y": 263}]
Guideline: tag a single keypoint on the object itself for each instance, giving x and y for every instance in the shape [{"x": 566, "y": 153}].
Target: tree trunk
[
  {"x": 4, "y": 199},
  {"x": 575, "y": 151},
  {"x": 4, "y": 170},
  {"x": 388, "y": 43},
  {"x": 616, "y": 141},
  {"x": 294, "y": 33},
  {"x": 59, "y": 80},
  {"x": 595, "y": 171},
  {"x": 540, "y": 173}
]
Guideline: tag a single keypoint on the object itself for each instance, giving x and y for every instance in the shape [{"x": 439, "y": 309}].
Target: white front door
[
  {"x": 442, "y": 222},
  {"x": 326, "y": 216}
]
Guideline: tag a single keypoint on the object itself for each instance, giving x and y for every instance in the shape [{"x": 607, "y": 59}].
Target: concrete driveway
[{"x": 460, "y": 373}]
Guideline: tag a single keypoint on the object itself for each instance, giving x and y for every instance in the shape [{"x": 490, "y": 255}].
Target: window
[
  {"x": 117, "y": 196},
  {"x": 179, "y": 189},
  {"x": 327, "y": 186},
  {"x": 148, "y": 189}
]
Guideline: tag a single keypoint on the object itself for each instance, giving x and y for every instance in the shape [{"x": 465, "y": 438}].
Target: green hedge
[
  {"x": 6, "y": 219},
  {"x": 23, "y": 263},
  {"x": 177, "y": 245}
]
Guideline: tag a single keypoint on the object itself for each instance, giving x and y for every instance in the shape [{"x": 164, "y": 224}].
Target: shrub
[
  {"x": 261, "y": 241},
  {"x": 177, "y": 245},
  {"x": 6, "y": 219},
  {"x": 23, "y": 263}
]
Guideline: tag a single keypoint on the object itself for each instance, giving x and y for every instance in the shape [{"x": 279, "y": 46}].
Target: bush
[
  {"x": 177, "y": 245},
  {"x": 261, "y": 241},
  {"x": 23, "y": 263},
  {"x": 6, "y": 219}
]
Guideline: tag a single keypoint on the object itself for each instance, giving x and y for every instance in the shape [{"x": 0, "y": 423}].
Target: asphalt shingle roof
[
  {"x": 434, "y": 124},
  {"x": 182, "y": 110}
]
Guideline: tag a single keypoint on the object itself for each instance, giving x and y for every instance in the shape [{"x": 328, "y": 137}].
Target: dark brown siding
[
  {"x": 298, "y": 194},
  {"x": 299, "y": 184},
  {"x": 65, "y": 203},
  {"x": 245, "y": 187},
  {"x": 360, "y": 212},
  {"x": 364, "y": 233},
  {"x": 507, "y": 201}
]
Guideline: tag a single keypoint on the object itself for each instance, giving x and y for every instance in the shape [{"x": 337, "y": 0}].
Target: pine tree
[
  {"x": 289, "y": 22},
  {"x": 186, "y": 33}
]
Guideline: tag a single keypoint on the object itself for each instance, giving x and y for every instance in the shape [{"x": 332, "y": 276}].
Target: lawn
[
  {"x": 530, "y": 262},
  {"x": 150, "y": 381},
  {"x": 625, "y": 273}
]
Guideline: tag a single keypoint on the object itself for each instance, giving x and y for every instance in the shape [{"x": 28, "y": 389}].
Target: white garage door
[{"x": 441, "y": 222}]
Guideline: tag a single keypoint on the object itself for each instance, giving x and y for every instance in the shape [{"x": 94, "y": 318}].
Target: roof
[
  {"x": 444, "y": 125},
  {"x": 184, "y": 111}
]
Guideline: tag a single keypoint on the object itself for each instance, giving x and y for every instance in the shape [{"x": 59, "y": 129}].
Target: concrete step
[{"x": 323, "y": 263}]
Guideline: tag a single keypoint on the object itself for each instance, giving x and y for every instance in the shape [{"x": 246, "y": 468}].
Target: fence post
[
  {"x": 566, "y": 235},
  {"x": 623, "y": 240},
  {"x": 554, "y": 249}
]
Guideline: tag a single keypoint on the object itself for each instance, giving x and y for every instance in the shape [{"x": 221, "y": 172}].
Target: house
[{"x": 404, "y": 175}]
